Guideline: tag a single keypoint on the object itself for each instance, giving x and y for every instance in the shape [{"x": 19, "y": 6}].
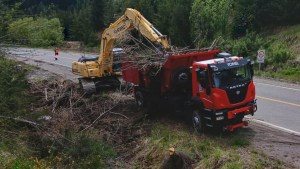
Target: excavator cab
[{"x": 117, "y": 54}]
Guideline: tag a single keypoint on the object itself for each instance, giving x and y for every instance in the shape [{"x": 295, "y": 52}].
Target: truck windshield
[{"x": 231, "y": 76}]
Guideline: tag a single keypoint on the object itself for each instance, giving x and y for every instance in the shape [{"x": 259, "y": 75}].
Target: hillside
[{"x": 282, "y": 60}]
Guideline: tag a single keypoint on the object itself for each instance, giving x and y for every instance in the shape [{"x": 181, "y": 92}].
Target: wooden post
[{"x": 46, "y": 94}]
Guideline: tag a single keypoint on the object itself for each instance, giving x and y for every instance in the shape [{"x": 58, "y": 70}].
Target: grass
[
  {"x": 206, "y": 151},
  {"x": 293, "y": 30},
  {"x": 20, "y": 144},
  {"x": 287, "y": 73},
  {"x": 240, "y": 141}
]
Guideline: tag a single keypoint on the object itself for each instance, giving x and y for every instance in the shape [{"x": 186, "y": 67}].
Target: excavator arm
[
  {"x": 132, "y": 19},
  {"x": 98, "y": 71}
]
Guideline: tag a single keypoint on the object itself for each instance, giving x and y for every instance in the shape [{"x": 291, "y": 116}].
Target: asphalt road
[
  {"x": 65, "y": 58},
  {"x": 278, "y": 102}
]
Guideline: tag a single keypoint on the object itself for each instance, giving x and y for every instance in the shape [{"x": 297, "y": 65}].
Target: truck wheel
[
  {"x": 140, "y": 99},
  {"x": 198, "y": 121},
  {"x": 180, "y": 76}
]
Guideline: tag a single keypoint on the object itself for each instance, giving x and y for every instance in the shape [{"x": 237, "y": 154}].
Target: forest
[
  {"x": 242, "y": 24},
  {"x": 181, "y": 20}
]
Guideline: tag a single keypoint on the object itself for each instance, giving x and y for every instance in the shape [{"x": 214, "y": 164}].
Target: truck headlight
[
  {"x": 254, "y": 108},
  {"x": 219, "y": 118}
]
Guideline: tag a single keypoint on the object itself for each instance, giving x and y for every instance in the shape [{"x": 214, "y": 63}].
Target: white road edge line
[
  {"x": 273, "y": 126},
  {"x": 278, "y": 86}
]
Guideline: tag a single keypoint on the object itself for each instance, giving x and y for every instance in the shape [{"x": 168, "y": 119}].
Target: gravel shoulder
[{"x": 272, "y": 142}]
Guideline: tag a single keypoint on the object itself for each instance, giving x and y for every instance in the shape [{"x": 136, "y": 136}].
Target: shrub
[
  {"x": 279, "y": 54},
  {"x": 246, "y": 46},
  {"x": 36, "y": 32}
]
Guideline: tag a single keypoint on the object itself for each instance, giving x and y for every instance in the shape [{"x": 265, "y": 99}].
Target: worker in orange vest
[{"x": 56, "y": 54}]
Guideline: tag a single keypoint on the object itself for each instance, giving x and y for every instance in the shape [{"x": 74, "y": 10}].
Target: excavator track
[
  {"x": 87, "y": 85},
  {"x": 90, "y": 86}
]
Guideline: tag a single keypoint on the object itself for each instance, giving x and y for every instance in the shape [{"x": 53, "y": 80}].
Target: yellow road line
[{"x": 278, "y": 101}]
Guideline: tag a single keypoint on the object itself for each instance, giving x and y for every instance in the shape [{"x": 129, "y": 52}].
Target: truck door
[{"x": 203, "y": 87}]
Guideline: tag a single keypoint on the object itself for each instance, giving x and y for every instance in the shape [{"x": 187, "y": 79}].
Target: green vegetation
[
  {"x": 213, "y": 20},
  {"x": 85, "y": 152},
  {"x": 13, "y": 86},
  {"x": 36, "y": 32},
  {"x": 28, "y": 142},
  {"x": 205, "y": 151},
  {"x": 245, "y": 27}
]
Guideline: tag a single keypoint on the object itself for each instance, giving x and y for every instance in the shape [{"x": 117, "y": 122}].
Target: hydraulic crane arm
[{"x": 132, "y": 19}]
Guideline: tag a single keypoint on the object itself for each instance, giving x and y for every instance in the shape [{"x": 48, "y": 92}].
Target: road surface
[{"x": 278, "y": 102}]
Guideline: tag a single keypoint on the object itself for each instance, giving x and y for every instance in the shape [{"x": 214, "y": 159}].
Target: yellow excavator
[{"x": 99, "y": 71}]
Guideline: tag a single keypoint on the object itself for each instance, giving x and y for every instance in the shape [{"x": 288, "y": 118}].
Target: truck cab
[{"x": 223, "y": 92}]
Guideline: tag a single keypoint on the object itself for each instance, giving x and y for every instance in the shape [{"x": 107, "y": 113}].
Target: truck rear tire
[
  {"x": 180, "y": 76},
  {"x": 198, "y": 121},
  {"x": 140, "y": 99}
]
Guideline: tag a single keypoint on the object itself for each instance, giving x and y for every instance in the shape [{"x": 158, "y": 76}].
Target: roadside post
[{"x": 260, "y": 58}]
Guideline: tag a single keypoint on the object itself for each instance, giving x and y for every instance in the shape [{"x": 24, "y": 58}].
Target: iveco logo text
[
  {"x": 236, "y": 86},
  {"x": 233, "y": 64},
  {"x": 119, "y": 29}
]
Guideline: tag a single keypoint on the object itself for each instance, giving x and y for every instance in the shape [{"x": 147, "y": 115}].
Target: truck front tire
[{"x": 198, "y": 121}]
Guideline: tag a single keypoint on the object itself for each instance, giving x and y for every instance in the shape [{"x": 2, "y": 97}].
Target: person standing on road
[{"x": 56, "y": 54}]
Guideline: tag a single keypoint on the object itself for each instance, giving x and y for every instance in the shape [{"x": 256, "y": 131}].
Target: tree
[
  {"x": 6, "y": 16},
  {"x": 112, "y": 12},
  {"x": 82, "y": 26},
  {"x": 172, "y": 19},
  {"x": 97, "y": 14},
  {"x": 213, "y": 18},
  {"x": 278, "y": 12},
  {"x": 39, "y": 32},
  {"x": 143, "y": 6}
]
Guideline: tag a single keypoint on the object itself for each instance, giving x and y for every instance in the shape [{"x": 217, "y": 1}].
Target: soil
[
  {"x": 127, "y": 129},
  {"x": 274, "y": 143}
]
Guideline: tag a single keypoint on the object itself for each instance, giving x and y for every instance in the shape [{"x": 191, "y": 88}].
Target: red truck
[{"x": 211, "y": 88}]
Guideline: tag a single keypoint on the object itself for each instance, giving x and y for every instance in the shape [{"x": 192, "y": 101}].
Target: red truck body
[
  {"x": 222, "y": 105},
  {"x": 139, "y": 78}
]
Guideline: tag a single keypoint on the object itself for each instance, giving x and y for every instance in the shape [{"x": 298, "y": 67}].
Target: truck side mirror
[{"x": 251, "y": 68}]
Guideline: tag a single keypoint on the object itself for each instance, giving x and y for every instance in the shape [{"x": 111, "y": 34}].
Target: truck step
[
  {"x": 208, "y": 118},
  {"x": 209, "y": 125}
]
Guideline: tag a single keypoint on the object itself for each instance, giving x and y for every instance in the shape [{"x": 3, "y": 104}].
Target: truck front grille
[{"x": 237, "y": 95}]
